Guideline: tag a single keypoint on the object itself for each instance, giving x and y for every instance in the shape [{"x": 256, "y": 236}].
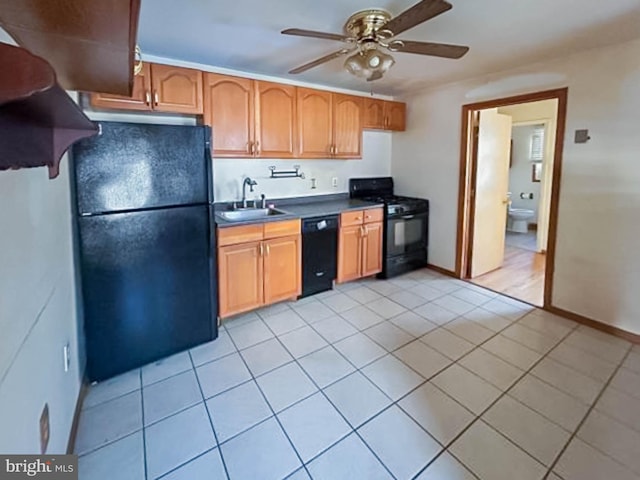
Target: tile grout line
[
  {"x": 259, "y": 317},
  {"x": 320, "y": 390},
  {"x": 144, "y": 437},
  {"x": 497, "y": 399},
  {"x": 215, "y": 435},
  {"x": 266, "y": 400},
  {"x": 387, "y": 352},
  {"x": 396, "y": 402},
  {"x": 586, "y": 416}
]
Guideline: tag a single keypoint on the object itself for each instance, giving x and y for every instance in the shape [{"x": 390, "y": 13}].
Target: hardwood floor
[{"x": 521, "y": 276}]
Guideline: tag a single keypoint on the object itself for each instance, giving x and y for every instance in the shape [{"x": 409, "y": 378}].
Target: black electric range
[{"x": 406, "y": 224}]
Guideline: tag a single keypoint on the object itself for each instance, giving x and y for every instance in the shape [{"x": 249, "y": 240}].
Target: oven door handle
[{"x": 407, "y": 217}]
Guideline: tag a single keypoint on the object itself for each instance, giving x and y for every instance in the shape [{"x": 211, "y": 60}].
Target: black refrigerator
[{"x": 146, "y": 243}]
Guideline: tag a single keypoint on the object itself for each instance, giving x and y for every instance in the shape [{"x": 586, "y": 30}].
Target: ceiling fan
[{"x": 370, "y": 32}]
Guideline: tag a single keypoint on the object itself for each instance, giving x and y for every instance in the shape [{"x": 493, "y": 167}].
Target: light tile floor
[{"x": 420, "y": 377}]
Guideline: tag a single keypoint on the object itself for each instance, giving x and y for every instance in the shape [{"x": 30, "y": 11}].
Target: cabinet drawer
[
  {"x": 348, "y": 219},
  {"x": 281, "y": 229},
  {"x": 373, "y": 215},
  {"x": 241, "y": 234}
]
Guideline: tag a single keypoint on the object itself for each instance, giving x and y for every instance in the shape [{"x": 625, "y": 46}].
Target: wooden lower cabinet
[
  {"x": 240, "y": 272},
  {"x": 360, "y": 244},
  {"x": 282, "y": 269},
  {"x": 372, "y": 249},
  {"x": 349, "y": 253},
  {"x": 264, "y": 270}
]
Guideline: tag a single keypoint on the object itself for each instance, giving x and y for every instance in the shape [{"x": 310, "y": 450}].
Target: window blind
[{"x": 536, "y": 152}]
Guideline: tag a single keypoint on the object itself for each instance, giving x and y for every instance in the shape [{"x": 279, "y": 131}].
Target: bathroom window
[{"x": 536, "y": 151}]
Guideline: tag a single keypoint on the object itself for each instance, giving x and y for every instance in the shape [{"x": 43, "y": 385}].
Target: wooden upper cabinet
[
  {"x": 374, "y": 114},
  {"x": 139, "y": 100},
  {"x": 229, "y": 110},
  {"x": 275, "y": 120},
  {"x": 314, "y": 123},
  {"x": 349, "y": 253},
  {"x": 395, "y": 114},
  {"x": 240, "y": 272},
  {"x": 176, "y": 89},
  {"x": 347, "y": 126},
  {"x": 282, "y": 270},
  {"x": 372, "y": 249}
]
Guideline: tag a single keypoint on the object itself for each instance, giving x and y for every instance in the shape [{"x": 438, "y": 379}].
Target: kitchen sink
[{"x": 249, "y": 214}]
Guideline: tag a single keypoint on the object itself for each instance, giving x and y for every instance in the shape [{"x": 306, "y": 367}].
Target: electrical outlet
[
  {"x": 334, "y": 181},
  {"x": 44, "y": 429},
  {"x": 66, "y": 353}
]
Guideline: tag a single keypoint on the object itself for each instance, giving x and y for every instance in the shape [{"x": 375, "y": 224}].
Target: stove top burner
[
  {"x": 396, "y": 205},
  {"x": 380, "y": 190}
]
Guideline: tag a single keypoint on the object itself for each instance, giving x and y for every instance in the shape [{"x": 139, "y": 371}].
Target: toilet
[{"x": 519, "y": 219}]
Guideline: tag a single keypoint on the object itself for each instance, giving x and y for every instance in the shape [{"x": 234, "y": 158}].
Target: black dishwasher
[{"x": 319, "y": 254}]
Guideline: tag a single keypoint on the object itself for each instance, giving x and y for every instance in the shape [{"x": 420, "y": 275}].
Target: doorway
[{"x": 510, "y": 172}]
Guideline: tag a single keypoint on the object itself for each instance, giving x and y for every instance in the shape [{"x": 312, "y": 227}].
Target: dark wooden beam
[{"x": 90, "y": 44}]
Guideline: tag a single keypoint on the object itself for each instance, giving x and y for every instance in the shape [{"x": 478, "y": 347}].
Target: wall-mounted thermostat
[{"x": 582, "y": 136}]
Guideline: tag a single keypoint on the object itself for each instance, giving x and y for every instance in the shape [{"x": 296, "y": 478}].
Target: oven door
[{"x": 407, "y": 234}]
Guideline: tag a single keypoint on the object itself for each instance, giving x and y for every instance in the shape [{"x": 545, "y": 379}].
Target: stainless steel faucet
[{"x": 251, "y": 183}]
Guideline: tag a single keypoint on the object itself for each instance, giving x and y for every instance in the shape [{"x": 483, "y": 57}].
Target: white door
[{"x": 492, "y": 184}]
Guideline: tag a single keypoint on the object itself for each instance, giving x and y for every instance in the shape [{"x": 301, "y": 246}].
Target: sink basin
[{"x": 249, "y": 214}]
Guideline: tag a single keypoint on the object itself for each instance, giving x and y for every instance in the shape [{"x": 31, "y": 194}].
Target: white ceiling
[{"x": 245, "y": 35}]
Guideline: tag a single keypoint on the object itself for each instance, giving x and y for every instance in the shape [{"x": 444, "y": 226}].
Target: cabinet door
[
  {"x": 282, "y": 269},
  {"x": 140, "y": 99},
  {"x": 275, "y": 113},
  {"x": 372, "y": 249},
  {"x": 229, "y": 111},
  {"x": 373, "y": 113},
  {"x": 347, "y": 126},
  {"x": 349, "y": 253},
  {"x": 395, "y": 116},
  {"x": 176, "y": 89},
  {"x": 314, "y": 123},
  {"x": 240, "y": 274}
]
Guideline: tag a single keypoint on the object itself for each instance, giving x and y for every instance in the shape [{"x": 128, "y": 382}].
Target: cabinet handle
[
  {"x": 147, "y": 98},
  {"x": 366, "y": 230},
  {"x": 267, "y": 250},
  {"x": 335, "y": 149},
  {"x": 251, "y": 148},
  {"x": 155, "y": 97},
  {"x": 257, "y": 148},
  {"x": 261, "y": 250}
]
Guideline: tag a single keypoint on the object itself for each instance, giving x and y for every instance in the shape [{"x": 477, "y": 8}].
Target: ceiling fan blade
[
  {"x": 313, "y": 34},
  {"x": 433, "y": 49},
  {"x": 419, "y": 13},
  {"x": 320, "y": 61}
]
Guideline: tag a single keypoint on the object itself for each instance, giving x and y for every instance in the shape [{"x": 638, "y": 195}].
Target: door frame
[{"x": 468, "y": 168}]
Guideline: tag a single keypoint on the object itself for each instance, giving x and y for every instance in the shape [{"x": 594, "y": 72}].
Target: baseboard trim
[
  {"x": 589, "y": 322},
  {"x": 84, "y": 389},
  {"x": 443, "y": 271}
]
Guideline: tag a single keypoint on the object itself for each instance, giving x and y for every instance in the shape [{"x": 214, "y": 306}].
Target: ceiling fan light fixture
[{"x": 368, "y": 64}]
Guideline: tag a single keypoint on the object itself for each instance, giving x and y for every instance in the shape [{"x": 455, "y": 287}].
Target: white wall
[
  {"x": 37, "y": 309},
  {"x": 597, "y": 262},
  {"x": 230, "y": 173},
  {"x": 520, "y": 171}
]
